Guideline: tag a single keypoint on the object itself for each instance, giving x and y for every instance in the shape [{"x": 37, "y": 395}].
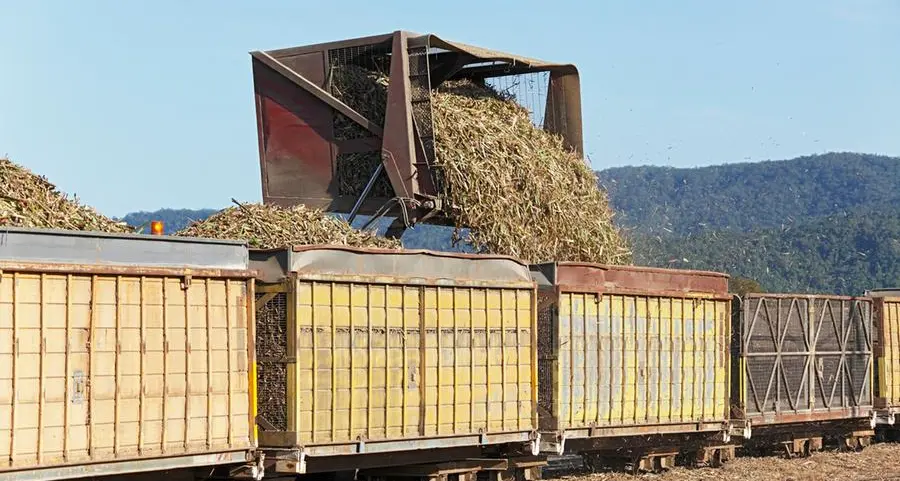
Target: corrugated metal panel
[
  {"x": 805, "y": 357},
  {"x": 390, "y": 363},
  {"x": 615, "y": 361},
  {"x": 100, "y": 368},
  {"x": 887, "y": 317},
  {"x": 468, "y": 370},
  {"x": 635, "y": 360}
]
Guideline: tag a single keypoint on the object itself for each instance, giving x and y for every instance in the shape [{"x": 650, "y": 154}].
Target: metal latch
[{"x": 78, "y": 387}]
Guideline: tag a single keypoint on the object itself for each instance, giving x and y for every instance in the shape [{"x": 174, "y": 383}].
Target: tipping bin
[
  {"x": 804, "y": 367},
  {"x": 371, "y": 358},
  {"x": 633, "y": 358},
  {"x": 123, "y": 354},
  {"x": 308, "y": 157}
]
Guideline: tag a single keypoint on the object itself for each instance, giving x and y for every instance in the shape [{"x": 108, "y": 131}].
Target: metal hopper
[{"x": 302, "y": 161}]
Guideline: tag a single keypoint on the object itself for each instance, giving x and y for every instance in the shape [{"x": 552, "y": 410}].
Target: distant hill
[
  {"x": 748, "y": 196},
  {"x": 825, "y": 223},
  {"x": 845, "y": 253}
]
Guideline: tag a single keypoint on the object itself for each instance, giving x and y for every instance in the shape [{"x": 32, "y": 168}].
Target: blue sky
[{"x": 140, "y": 105}]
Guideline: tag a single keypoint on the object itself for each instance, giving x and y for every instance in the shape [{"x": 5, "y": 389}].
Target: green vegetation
[
  {"x": 828, "y": 223},
  {"x": 742, "y": 285},
  {"x": 840, "y": 254},
  {"x": 748, "y": 196}
]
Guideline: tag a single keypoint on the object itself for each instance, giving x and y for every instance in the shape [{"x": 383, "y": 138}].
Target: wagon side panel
[
  {"x": 807, "y": 358},
  {"x": 102, "y": 368}
]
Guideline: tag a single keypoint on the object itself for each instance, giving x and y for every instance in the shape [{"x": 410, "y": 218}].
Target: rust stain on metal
[
  {"x": 398, "y": 149},
  {"x": 601, "y": 278},
  {"x": 805, "y": 417}
]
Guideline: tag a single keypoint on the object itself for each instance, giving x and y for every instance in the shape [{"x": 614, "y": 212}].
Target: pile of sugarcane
[
  {"x": 271, "y": 226},
  {"x": 30, "y": 200},
  {"x": 516, "y": 187}
]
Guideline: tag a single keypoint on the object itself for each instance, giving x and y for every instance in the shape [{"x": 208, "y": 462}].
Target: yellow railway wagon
[
  {"x": 369, "y": 354},
  {"x": 629, "y": 352},
  {"x": 887, "y": 354},
  {"x": 123, "y": 354}
]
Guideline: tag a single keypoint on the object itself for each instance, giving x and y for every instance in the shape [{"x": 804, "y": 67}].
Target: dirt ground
[{"x": 877, "y": 462}]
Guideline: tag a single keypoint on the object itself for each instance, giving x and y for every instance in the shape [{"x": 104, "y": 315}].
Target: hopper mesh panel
[
  {"x": 793, "y": 386},
  {"x": 371, "y": 100},
  {"x": 530, "y": 90},
  {"x": 546, "y": 354},
  {"x": 355, "y": 169},
  {"x": 271, "y": 351},
  {"x": 807, "y": 353}
]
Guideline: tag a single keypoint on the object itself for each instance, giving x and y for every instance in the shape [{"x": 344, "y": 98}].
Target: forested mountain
[
  {"x": 827, "y": 223},
  {"x": 749, "y": 196},
  {"x": 844, "y": 253}
]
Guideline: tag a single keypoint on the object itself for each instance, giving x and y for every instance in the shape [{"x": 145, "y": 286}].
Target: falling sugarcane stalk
[{"x": 518, "y": 188}]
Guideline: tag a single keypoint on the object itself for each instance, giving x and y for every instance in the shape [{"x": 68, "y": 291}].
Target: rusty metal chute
[{"x": 301, "y": 160}]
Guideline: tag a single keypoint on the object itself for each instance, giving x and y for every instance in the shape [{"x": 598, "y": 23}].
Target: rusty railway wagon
[
  {"x": 803, "y": 371},
  {"x": 124, "y": 354},
  {"x": 370, "y": 359},
  {"x": 634, "y": 363}
]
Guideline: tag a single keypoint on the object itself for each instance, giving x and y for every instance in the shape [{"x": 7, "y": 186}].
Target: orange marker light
[{"x": 156, "y": 227}]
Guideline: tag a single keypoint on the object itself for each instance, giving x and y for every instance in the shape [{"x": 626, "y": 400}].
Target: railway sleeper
[
  {"x": 802, "y": 447},
  {"x": 633, "y": 462},
  {"x": 802, "y": 440},
  {"x": 525, "y": 468},
  {"x": 857, "y": 440},
  {"x": 713, "y": 456}
]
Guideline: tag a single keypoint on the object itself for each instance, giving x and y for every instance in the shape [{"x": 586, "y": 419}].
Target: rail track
[{"x": 877, "y": 463}]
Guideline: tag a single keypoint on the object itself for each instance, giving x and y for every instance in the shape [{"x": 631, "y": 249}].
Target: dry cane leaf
[
  {"x": 518, "y": 189},
  {"x": 272, "y": 226}
]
